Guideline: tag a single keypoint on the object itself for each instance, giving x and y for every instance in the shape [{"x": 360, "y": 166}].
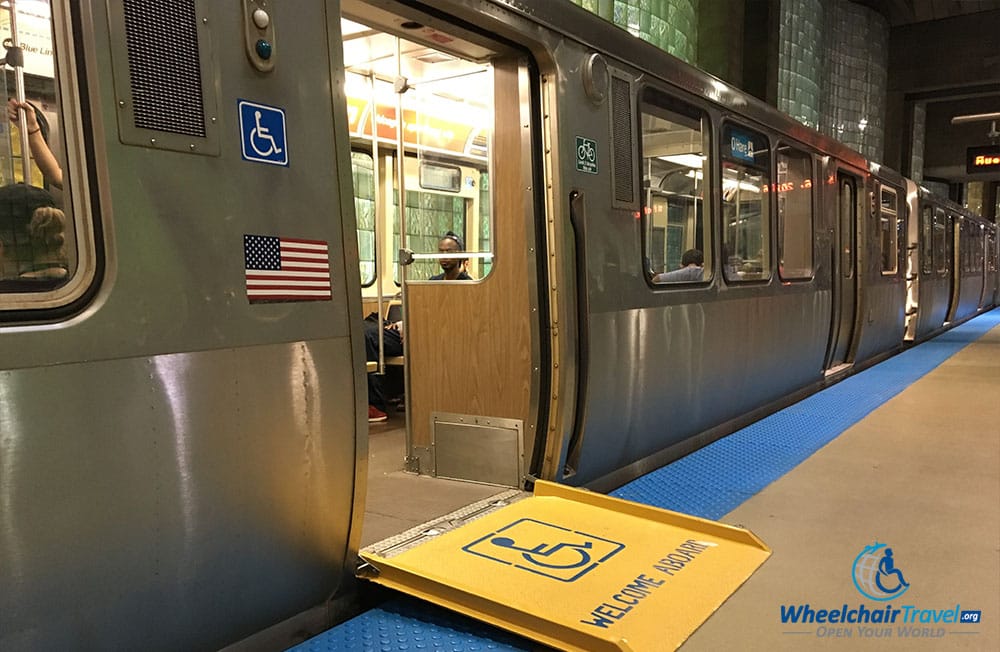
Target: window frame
[
  {"x": 375, "y": 195},
  {"x": 926, "y": 240},
  {"x": 847, "y": 222},
  {"x": 778, "y": 230},
  {"x": 767, "y": 271},
  {"x": 940, "y": 241},
  {"x": 670, "y": 103},
  {"x": 50, "y": 303},
  {"x": 883, "y": 211}
]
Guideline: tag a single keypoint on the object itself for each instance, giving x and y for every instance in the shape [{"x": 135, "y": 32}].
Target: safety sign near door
[
  {"x": 263, "y": 131},
  {"x": 586, "y": 155}
]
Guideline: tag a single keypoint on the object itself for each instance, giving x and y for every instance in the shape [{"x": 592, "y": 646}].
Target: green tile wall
[
  {"x": 800, "y": 60},
  {"x": 671, "y": 25}
]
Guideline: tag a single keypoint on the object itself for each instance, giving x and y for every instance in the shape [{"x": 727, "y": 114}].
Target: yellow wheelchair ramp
[{"x": 572, "y": 569}]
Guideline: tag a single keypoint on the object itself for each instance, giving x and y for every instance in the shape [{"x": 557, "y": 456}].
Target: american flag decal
[{"x": 286, "y": 269}]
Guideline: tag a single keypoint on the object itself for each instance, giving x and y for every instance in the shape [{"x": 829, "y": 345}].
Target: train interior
[
  {"x": 458, "y": 398},
  {"x": 25, "y": 265}
]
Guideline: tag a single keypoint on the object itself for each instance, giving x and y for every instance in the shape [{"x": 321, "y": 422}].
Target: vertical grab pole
[
  {"x": 18, "y": 66},
  {"x": 401, "y": 86},
  {"x": 379, "y": 219}
]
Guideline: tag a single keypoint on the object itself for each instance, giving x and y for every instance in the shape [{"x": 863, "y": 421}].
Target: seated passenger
[
  {"x": 392, "y": 334},
  {"x": 454, "y": 268},
  {"x": 18, "y": 204},
  {"x": 691, "y": 269},
  {"x": 47, "y": 233},
  {"x": 392, "y": 345}
]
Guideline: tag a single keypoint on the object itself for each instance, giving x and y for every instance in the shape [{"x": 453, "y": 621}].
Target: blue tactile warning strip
[
  {"x": 708, "y": 483},
  {"x": 716, "y": 479},
  {"x": 405, "y": 624}
]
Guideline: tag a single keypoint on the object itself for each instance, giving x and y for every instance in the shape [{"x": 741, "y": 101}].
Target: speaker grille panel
[
  {"x": 164, "y": 66},
  {"x": 621, "y": 127}
]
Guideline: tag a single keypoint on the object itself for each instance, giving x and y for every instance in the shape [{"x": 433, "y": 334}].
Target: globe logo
[{"x": 875, "y": 574}]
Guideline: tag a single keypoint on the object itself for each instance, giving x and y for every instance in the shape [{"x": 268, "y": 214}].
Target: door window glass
[
  {"x": 926, "y": 240},
  {"x": 847, "y": 233},
  {"x": 40, "y": 245},
  {"x": 746, "y": 235},
  {"x": 793, "y": 190},
  {"x": 888, "y": 230}
]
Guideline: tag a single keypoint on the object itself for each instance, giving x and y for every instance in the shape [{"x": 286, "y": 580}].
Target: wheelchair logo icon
[
  {"x": 545, "y": 549},
  {"x": 263, "y": 131}
]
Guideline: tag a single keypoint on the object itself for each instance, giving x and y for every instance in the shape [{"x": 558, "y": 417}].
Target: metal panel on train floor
[{"x": 575, "y": 569}]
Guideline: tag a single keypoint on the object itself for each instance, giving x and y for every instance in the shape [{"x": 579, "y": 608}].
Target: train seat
[{"x": 393, "y": 313}]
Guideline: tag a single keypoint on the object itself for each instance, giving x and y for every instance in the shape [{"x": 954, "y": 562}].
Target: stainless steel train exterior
[
  {"x": 183, "y": 463},
  {"x": 952, "y": 263},
  {"x": 178, "y": 464}
]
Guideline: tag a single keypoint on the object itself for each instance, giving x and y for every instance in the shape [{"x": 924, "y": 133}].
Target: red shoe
[{"x": 376, "y": 415}]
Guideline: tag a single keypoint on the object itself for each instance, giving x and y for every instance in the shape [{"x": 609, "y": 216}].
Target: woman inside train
[{"x": 47, "y": 233}]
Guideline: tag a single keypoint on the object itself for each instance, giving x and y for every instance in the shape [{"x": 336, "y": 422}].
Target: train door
[
  {"x": 992, "y": 277},
  {"x": 845, "y": 285},
  {"x": 454, "y": 196},
  {"x": 953, "y": 258}
]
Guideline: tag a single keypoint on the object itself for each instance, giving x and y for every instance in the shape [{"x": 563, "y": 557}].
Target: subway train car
[
  {"x": 944, "y": 286},
  {"x": 217, "y": 195},
  {"x": 179, "y": 414}
]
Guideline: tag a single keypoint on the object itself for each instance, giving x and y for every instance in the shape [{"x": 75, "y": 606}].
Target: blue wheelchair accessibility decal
[
  {"x": 545, "y": 549},
  {"x": 263, "y": 131}
]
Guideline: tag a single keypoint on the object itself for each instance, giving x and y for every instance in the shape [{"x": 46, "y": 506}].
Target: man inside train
[
  {"x": 453, "y": 269},
  {"x": 692, "y": 266}
]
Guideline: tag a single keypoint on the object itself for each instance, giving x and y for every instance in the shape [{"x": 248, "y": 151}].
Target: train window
[
  {"x": 848, "y": 202},
  {"x": 963, "y": 244},
  {"x": 991, "y": 252},
  {"x": 940, "y": 237},
  {"x": 746, "y": 238},
  {"x": 428, "y": 215},
  {"x": 965, "y": 241},
  {"x": 889, "y": 230},
  {"x": 676, "y": 236},
  {"x": 793, "y": 191},
  {"x": 987, "y": 242},
  {"x": 442, "y": 152},
  {"x": 926, "y": 240},
  {"x": 42, "y": 251},
  {"x": 362, "y": 169}
]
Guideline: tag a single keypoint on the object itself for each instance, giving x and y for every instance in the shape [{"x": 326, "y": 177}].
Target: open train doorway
[{"x": 439, "y": 120}]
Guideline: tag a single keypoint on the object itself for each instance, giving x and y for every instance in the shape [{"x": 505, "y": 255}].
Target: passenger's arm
[{"x": 40, "y": 151}]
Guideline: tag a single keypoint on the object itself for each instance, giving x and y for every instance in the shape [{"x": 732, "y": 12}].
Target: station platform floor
[{"x": 904, "y": 455}]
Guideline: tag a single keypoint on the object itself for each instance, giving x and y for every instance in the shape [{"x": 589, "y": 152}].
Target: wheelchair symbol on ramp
[
  {"x": 263, "y": 131},
  {"x": 545, "y": 549}
]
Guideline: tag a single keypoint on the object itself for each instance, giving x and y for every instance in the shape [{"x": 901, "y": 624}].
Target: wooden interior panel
[{"x": 468, "y": 344}]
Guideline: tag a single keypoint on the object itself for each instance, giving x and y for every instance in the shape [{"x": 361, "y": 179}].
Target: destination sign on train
[{"x": 982, "y": 159}]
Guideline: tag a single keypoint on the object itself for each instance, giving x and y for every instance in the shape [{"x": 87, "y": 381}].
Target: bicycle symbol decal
[
  {"x": 545, "y": 549},
  {"x": 586, "y": 155},
  {"x": 263, "y": 131}
]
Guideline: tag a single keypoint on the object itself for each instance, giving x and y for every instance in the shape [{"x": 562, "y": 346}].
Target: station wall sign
[{"x": 982, "y": 159}]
